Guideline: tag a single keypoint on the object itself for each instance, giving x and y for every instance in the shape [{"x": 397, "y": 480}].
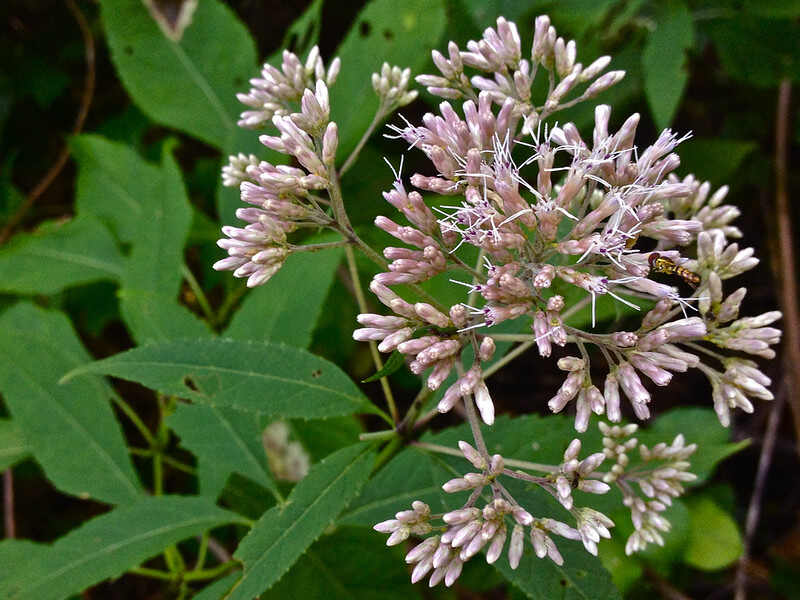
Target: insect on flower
[{"x": 659, "y": 264}]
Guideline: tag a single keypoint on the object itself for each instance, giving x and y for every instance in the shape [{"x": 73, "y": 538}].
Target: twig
[
  {"x": 754, "y": 510},
  {"x": 8, "y": 504},
  {"x": 218, "y": 550},
  {"x": 786, "y": 259},
  {"x": 373, "y": 347},
  {"x": 80, "y": 119}
]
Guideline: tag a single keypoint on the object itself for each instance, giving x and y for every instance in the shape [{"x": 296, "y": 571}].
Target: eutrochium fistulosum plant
[{"x": 560, "y": 220}]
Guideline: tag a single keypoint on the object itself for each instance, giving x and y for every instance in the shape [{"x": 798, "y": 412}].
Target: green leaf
[
  {"x": 773, "y": 8},
  {"x": 321, "y": 437},
  {"x": 303, "y": 33},
  {"x": 108, "y": 545},
  {"x": 284, "y": 532},
  {"x": 266, "y": 378},
  {"x": 229, "y": 438},
  {"x": 350, "y": 564},
  {"x": 198, "y": 77},
  {"x": 581, "y": 577},
  {"x": 156, "y": 259},
  {"x": 663, "y": 60},
  {"x": 114, "y": 183},
  {"x": 714, "y": 159},
  {"x": 70, "y": 428},
  {"x": 59, "y": 255},
  {"x": 218, "y": 589},
  {"x": 154, "y": 317},
  {"x": 13, "y": 447},
  {"x": 287, "y": 307},
  {"x": 395, "y": 362},
  {"x": 152, "y": 276},
  {"x": 383, "y": 31},
  {"x": 15, "y": 554},
  {"x": 714, "y": 538},
  {"x": 757, "y": 52},
  {"x": 411, "y": 475}
]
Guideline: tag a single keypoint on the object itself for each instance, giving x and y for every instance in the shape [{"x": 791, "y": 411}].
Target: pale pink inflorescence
[{"x": 560, "y": 222}]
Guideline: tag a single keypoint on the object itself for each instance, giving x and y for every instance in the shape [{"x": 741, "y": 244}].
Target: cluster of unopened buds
[
  {"x": 552, "y": 216},
  {"x": 463, "y": 532}
]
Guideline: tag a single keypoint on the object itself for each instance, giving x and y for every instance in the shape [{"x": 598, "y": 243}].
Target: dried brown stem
[
  {"x": 80, "y": 119},
  {"x": 786, "y": 257},
  {"x": 8, "y": 504},
  {"x": 754, "y": 510}
]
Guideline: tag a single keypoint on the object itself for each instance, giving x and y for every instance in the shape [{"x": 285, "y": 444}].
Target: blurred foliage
[{"x": 119, "y": 250}]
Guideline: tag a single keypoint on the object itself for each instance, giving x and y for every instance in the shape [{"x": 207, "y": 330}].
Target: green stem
[
  {"x": 228, "y": 303},
  {"x": 131, "y": 414},
  {"x": 511, "y": 337},
  {"x": 152, "y": 573},
  {"x": 502, "y": 362},
  {"x": 373, "y": 347},
  {"x": 320, "y": 246},
  {"x": 474, "y": 293},
  {"x": 510, "y": 462},
  {"x": 211, "y": 573},
  {"x": 198, "y": 292},
  {"x": 202, "y": 551},
  {"x": 379, "y": 115},
  {"x": 373, "y": 436},
  {"x": 413, "y": 411}
]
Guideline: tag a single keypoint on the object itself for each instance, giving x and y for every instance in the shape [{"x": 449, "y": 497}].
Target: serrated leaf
[
  {"x": 59, "y": 255},
  {"x": 329, "y": 570},
  {"x": 663, "y": 60},
  {"x": 153, "y": 317},
  {"x": 70, "y": 428},
  {"x": 229, "y": 438},
  {"x": 13, "y": 447},
  {"x": 411, "y": 475},
  {"x": 218, "y": 589},
  {"x": 110, "y": 544},
  {"x": 198, "y": 77},
  {"x": 286, "y": 308},
  {"x": 156, "y": 258},
  {"x": 266, "y": 378},
  {"x": 113, "y": 183},
  {"x": 395, "y": 361},
  {"x": 383, "y": 31},
  {"x": 714, "y": 538},
  {"x": 284, "y": 532},
  {"x": 581, "y": 577}
]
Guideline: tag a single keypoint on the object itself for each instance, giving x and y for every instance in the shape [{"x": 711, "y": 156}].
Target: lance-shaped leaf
[
  {"x": 664, "y": 58},
  {"x": 261, "y": 377},
  {"x": 59, "y": 255},
  {"x": 113, "y": 183},
  {"x": 350, "y": 564},
  {"x": 229, "y": 438},
  {"x": 109, "y": 545},
  {"x": 284, "y": 532},
  {"x": 198, "y": 76},
  {"x": 13, "y": 447},
  {"x": 581, "y": 577},
  {"x": 70, "y": 428},
  {"x": 154, "y": 317}
]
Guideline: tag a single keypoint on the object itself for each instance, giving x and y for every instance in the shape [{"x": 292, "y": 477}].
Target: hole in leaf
[
  {"x": 364, "y": 28},
  {"x": 128, "y": 50},
  {"x": 316, "y": 373},
  {"x": 563, "y": 582},
  {"x": 189, "y": 383},
  {"x": 388, "y": 34}
]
